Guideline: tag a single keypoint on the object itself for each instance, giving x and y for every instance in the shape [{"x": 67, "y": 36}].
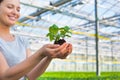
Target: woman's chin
[{"x": 11, "y": 23}]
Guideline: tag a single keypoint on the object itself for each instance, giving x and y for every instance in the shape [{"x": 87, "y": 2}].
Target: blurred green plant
[{"x": 79, "y": 76}]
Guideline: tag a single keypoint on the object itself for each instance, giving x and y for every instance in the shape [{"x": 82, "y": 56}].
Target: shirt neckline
[{"x": 9, "y": 41}]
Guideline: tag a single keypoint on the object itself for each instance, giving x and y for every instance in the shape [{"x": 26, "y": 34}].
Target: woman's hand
[
  {"x": 56, "y": 51},
  {"x": 64, "y": 51}
]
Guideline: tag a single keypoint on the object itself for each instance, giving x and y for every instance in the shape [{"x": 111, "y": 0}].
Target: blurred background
[{"x": 38, "y": 15}]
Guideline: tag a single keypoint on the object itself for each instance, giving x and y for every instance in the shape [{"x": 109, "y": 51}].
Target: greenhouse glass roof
[{"x": 38, "y": 15}]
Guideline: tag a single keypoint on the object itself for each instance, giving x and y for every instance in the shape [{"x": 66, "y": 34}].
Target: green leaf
[
  {"x": 62, "y": 32},
  {"x": 51, "y": 37},
  {"x": 53, "y": 29},
  {"x": 66, "y": 28},
  {"x": 48, "y": 35},
  {"x": 68, "y": 35}
]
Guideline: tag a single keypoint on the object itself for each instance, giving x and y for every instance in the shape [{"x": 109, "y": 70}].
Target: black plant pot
[{"x": 60, "y": 42}]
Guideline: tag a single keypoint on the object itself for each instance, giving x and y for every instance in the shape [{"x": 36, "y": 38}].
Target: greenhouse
[{"x": 95, "y": 28}]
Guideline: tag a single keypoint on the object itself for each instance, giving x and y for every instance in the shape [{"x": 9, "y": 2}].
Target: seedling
[{"x": 57, "y": 34}]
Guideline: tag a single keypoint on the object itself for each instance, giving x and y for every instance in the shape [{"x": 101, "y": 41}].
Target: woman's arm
[
  {"x": 43, "y": 64},
  {"x": 39, "y": 69},
  {"x": 19, "y": 70}
]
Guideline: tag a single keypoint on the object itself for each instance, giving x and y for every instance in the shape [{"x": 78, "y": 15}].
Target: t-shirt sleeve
[{"x": 25, "y": 41}]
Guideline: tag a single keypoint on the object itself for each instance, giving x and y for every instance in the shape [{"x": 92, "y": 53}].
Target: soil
[{"x": 60, "y": 42}]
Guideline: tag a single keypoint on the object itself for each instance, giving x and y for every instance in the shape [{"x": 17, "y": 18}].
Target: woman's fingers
[
  {"x": 57, "y": 51},
  {"x": 70, "y": 48},
  {"x": 63, "y": 51},
  {"x": 61, "y": 47},
  {"x": 52, "y": 46}
]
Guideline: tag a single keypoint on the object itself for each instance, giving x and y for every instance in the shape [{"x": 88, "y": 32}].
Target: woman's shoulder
[{"x": 23, "y": 40}]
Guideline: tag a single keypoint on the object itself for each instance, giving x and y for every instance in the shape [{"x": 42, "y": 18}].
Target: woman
[{"x": 16, "y": 61}]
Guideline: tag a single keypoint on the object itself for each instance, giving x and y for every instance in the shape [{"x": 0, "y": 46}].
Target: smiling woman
[
  {"x": 16, "y": 61},
  {"x": 10, "y": 12}
]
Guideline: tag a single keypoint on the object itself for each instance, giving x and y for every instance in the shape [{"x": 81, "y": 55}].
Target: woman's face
[{"x": 9, "y": 12}]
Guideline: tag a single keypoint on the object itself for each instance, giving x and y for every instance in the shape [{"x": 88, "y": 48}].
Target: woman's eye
[
  {"x": 18, "y": 10},
  {"x": 10, "y": 7}
]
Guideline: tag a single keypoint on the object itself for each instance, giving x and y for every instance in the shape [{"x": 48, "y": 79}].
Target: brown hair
[{"x": 1, "y": 1}]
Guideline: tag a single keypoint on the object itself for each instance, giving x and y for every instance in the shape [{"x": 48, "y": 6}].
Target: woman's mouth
[{"x": 12, "y": 18}]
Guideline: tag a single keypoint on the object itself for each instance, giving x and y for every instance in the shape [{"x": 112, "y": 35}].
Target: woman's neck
[
  {"x": 5, "y": 34},
  {"x": 4, "y": 30}
]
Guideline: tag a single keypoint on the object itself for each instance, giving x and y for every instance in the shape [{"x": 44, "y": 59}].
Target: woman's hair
[{"x": 1, "y": 1}]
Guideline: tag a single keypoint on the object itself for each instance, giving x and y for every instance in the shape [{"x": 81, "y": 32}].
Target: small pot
[{"x": 60, "y": 42}]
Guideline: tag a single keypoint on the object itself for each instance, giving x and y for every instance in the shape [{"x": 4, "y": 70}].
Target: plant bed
[
  {"x": 79, "y": 76},
  {"x": 58, "y": 34}
]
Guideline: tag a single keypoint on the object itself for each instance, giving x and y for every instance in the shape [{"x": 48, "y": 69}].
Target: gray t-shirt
[{"x": 14, "y": 51}]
